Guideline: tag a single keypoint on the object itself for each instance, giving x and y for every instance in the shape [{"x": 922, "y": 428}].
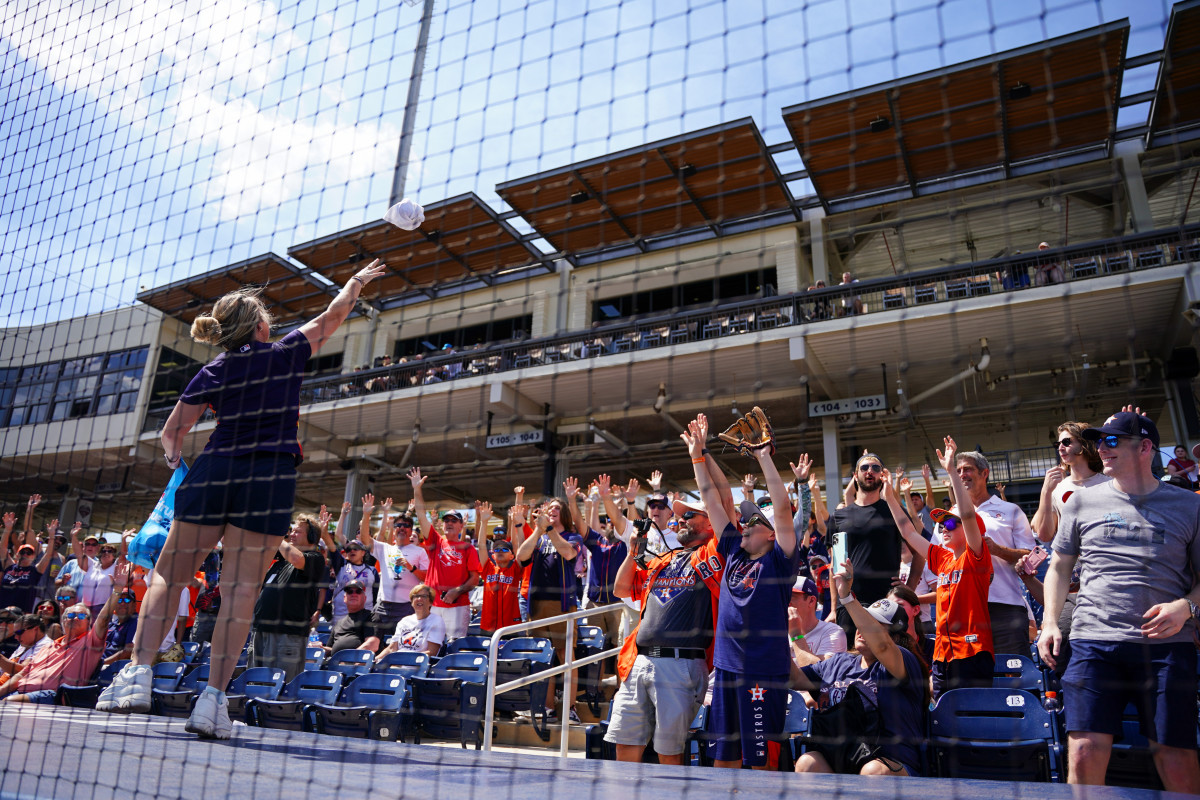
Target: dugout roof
[
  {"x": 701, "y": 180},
  {"x": 1051, "y": 98},
  {"x": 291, "y": 295},
  {"x": 1175, "y": 111},
  {"x": 462, "y": 239}
]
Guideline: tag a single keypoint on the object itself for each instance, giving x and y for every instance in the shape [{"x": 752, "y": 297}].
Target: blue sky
[{"x": 142, "y": 142}]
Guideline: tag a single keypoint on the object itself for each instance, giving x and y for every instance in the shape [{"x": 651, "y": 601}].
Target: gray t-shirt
[
  {"x": 678, "y": 607},
  {"x": 1134, "y": 552}
]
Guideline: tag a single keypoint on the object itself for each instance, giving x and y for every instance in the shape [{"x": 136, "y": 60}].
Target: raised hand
[
  {"x": 346, "y": 507},
  {"x": 387, "y": 505},
  {"x": 748, "y": 482},
  {"x": 927, "y": 473},
  {"x": 519, "y": 493},
  {"x": 520, "y": 513},
  {"x": 631, "y": 490},
  {"x": 370, "y": 272},
  {"x": 802, "y": 467},
  {"x": 946, "y": 457},
  {"x": 10, "y": 519},
  {"x": 905, "y": 486},
  {"x": 571, "y": 487},
  {"x": 693, "y": 439},
  {"x": 888, "y": 489},
  {"x": 323, "y": 517},
  {"x": 656, "y": 479},
  {"x": 702, "y": 427},
  {"x": 604, "y": 485},
  {"x": 414, "y": 477},
  {"x": 483, "y": 512},
  {"x": 843, "y": 581},
  {"x": 368, "y": 504},
  {"x": 34, "y": 499}
]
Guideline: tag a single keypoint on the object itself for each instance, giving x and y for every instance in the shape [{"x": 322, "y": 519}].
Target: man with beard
[
  {"x": 873, "y": 541},
  {"x": 664, "y": 663}
]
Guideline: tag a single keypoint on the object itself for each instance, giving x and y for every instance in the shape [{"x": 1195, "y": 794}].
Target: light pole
[{"x": 410, "y": 105}]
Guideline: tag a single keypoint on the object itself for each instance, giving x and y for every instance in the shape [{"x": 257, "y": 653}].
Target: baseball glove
[{"x": 751, "y": 432}]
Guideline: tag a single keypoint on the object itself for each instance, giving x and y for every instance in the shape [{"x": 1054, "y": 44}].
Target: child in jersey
[
  {"x": 963, "y": 654},
  {"x": 502, "y": 575}
]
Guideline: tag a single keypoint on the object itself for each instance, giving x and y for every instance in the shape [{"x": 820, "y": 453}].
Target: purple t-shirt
[
  {"x": 606, "y": 560},
  {"x": 255, "y": 393},
  {"x": 552, "y": 577}
]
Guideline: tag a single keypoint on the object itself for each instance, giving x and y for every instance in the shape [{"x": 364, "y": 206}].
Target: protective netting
[{"x": 882, "y": 223}]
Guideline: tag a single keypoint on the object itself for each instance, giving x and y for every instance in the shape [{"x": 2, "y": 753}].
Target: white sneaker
[
  {"x": 129, "y": 692},
  {"x": 210, "y": 717}
]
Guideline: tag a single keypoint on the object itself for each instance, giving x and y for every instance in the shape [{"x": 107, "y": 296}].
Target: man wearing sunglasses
[
  {"x": 122, "y": 625},
  {"x": 70, "y": 659},
  {"x": 30, "y": 632},
  {"x": 355, "y": 630},
  {"x": 1137, "y": 541},
  {"x": 873, "y": 542}
]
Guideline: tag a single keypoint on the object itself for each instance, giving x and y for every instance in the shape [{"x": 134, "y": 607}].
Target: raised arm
[
  {"x": 621, "y": 525},
  {"x": 695, "y": 437},
  {"x": 34, "y": 500},
  {"x": 571, "y": 489},
  {"x": 591, "y": 509},
  {"x": 802, "y": 470},
  {"x": 422, "y": 517},
  {"x": 885, "y": 650},
  {"x": 720, "y": 481},
  {"x": 339, "y": 533},
  {"x": 785, "y": 534},
  {"x": 483, "y": 512},
  {"x": 10, "y": 521},
  {"x": 319, "y": 330},
  {"x": 819, "y": 512},
  {"x": 966, "y": 508},
  {"x": 1045, "y": 519},
  {"x": 915, "y": 541},
  {"x": 364, "y": 524},
  {"x": 927, "y": 477}
]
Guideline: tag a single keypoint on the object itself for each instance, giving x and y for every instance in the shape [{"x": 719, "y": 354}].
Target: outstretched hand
[
  {"x": 946, "y": 457},
  {"x": 802, "y": 467},
  {"x": 415, "y": 478}
]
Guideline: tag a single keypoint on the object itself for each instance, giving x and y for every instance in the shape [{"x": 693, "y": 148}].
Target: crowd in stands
[{"x": 883, "y": 603}]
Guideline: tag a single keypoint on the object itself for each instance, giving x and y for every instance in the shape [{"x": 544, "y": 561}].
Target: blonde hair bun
[{"x": 206, "y": 329}]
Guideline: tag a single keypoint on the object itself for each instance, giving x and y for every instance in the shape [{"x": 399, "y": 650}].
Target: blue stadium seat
[
  {"x": 287, "y": 712},
  {"x": 589, "y": 640},
  {"x": 1014, "y": 671},
  {"x": 178, "y": 702},
  {"x": 697, "y": 748},
  {"x": 191, "y": 650},
  {"x": 795, "y": 730},
  {"x": 257, "y": 682},
  {"x": 373, "y": 707},
  {"x": 404, "y": 662},
  {"x": 351, "y": 663},
  {"x": 314, "y": 657},
  {"x": 994, "y": 734},
  {"x": 167, "y": 676},
  {"x": 449, "y": 702},
  {"x": 468, "y": 644},
  {"x": 517, "y": 659},
  {"x": 86, "y": 696}
]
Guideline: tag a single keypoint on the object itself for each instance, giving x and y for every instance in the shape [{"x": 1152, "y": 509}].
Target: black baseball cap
[
  {"x": 355, "y": 544},
  {"x": 1124, "y": 423}
]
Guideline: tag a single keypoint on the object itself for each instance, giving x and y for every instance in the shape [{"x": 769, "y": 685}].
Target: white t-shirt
[
  {"x": 394, "y": 588},
  {"x": 23, "y": 654},
  {"x": 825, "y": 639},
  {"x": 95, "y": 587},
  {"x": 417, "y": 634},
  {"x": 1006, "y": 525}
]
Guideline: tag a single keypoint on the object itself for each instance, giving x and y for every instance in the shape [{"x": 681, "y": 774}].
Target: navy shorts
[
  {"x": 747, "y": 710},
  {"x": 255, "y": 492},
  {"x": 1159, "y": 679},
  {"x": 975, "y": 671}
]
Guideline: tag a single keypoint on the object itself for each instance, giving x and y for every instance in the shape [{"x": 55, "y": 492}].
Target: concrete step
[{"x": 521, "y": 734}]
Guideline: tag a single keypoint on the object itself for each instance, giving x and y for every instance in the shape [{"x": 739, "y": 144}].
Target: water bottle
[
  {"x": 1051, "y": 703},
  {"x": 314, "y": 639}
]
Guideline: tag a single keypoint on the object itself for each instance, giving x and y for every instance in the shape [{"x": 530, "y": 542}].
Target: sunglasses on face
[
  {"x": 502, "y": 551},
  {"x": 353, "y": 591},
  {"x": 876, "y": 468},
  {"x": 64, "y": 598},
  {"x": 90, "y": 544},
  {"x": 756, "y": 519},
  {"x": 19, "y": 631},
  {"x": 658, "y": 505},
  {"x": 693, "y": 514},
  {"x": 45, "y": 608},
  {"x": 427, "y": 598},
  {"x": 1067, "y": 442},
  {"x": 1113, "y": 439},
  {"x": 124, "y": 599},
  {"x": 107, "y": 551},
  {"x": 75, "y": 615},
  {"x": 950, "y": 523}
]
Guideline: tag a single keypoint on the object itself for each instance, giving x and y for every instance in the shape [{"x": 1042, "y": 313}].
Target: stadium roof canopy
[
  {"x": 462, "y": 241},
  {"x": 291, "y": 295},
  {"x": 1055, "y": 99},
  {"x": 714, "y": 181},
  {"x": 1175, "y": 112}
]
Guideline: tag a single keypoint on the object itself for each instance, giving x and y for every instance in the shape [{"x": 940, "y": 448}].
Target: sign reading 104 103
[
  {"x": 513, "y": 439},
  {"x": 848, "y": 405}
]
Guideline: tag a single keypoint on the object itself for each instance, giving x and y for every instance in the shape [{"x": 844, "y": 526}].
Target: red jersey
[
  {"x": 964, "y": 627},
  {"x": 450, "y": 564},
  {"x": 706, "y": 563},
  {"x": 501, "y": 595}
]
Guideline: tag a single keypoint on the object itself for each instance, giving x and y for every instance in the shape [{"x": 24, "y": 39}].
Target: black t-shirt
[
  {"x": 678, "y": 607},
  {"x": 351, "y": 631},
  {"x": 18, "y": 587},
  {"x": 289, "y": 595},
  {"x": 873, "y": 546}
]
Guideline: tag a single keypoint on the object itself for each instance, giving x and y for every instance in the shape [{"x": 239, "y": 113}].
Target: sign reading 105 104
[
  {"x": 849, "y": 405},
  {"x": 513, "y": 439}
]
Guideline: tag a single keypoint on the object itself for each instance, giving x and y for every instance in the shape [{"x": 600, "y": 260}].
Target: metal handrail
[{"x": 568, "y": 666}]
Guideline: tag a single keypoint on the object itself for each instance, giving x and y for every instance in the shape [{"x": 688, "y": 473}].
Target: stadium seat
[
  {"x": 167, "y": 676},
  {"x": 351, "y": 663},
  {"x": 795, "y": 729},
  {"x": 993, "y": 734},
  {"x": 589, "y": 640},
  {"x": 178, "y": 702},
  {"x": 697, "y": 748},
  {"x": 468, "y": 644},
  {"x": 373, "y": 707},
  {"x": 86, "y": 696},
  {"x": 314, "y": 657},
  {"x": 517, "y": 659},
  {"x": 405, "y": 662},
  {"x": 191, "y": 650},
  {"x": 257, "y": 682},
  {"x": 449, "y": 702},
  {"x": 287, "y": 712},
  {"x": 1014, "y": 671}
]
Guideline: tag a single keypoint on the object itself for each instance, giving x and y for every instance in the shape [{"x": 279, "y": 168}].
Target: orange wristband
[{"x": 699, "y": 460}]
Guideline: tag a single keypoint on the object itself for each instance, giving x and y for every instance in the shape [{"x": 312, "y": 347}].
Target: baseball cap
[
  {"x": 355, "y": 544},
  {"x": 25, "y": 547},
  {"x": 452, "y": 515},
  {"x": 91, "y": 538},
  {"x": 805, "y": 585},
  {"x": 889, "y": 613},
  {"x": 657, "y": 497},
  {"x": 500, "y": 533},
  {"x": 748, "y": 509},
  {"x": 1124, "y": 423},
  {"x": 355, "y": 584},
  {"x": 681, "y": 506}
]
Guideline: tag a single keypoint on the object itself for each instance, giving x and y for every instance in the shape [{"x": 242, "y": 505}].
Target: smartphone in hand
[{"x": 837, "y": 544}]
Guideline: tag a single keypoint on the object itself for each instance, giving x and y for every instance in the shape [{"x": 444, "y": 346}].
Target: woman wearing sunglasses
[
  {"x": 240, "y": 491},
  {"x": 30, "y": 632},
  {"x": 50, "y": 611}
]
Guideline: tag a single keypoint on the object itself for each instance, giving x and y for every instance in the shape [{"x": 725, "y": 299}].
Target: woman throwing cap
[{"x": 240, "y": 491}]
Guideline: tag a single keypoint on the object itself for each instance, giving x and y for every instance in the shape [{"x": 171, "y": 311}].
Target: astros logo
[{"x": 756, "y": 693}]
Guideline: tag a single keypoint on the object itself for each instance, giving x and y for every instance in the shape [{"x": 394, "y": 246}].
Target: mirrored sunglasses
[
  {"x": 870, "y": 468},
  {"x": 76, "y": 615},
  {"x": 354, "y": 591},
  {"x": 692, "y": 515},
  {"x": 756, "y": 519},
  {"x": 950, "y": 523}
]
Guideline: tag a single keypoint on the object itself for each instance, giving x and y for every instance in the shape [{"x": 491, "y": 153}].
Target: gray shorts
[
  {"x": 283, "y": 650},
  {"x": 660, "y": 698}
]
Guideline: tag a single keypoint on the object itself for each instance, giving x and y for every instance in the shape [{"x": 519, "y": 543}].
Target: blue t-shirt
[
  {"x": 119, "y": 634},
  {"x": 901, "y": 703},
  {"x": 552, "y": 577},
  {"x": 255, "y": 393},
  {"x": 606, "y": 560},
  {"x": 752, "y": 618}
]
